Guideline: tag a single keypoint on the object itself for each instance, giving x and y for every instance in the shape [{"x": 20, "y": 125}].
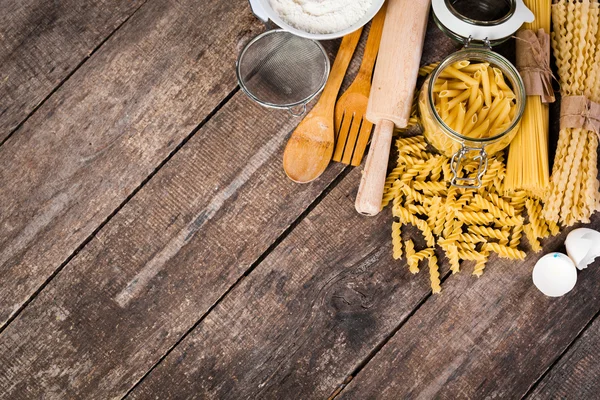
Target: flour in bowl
[{"x": 321, "y": 16}]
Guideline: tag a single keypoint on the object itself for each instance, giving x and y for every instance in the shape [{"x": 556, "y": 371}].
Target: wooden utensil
[
  {"x": 309, "y": 149},
  {"x": 353, "y": 129},
  {"x": 392, "y": 92}
]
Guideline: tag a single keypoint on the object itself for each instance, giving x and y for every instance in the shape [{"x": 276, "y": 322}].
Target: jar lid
[{"x": 484, "y": 21}]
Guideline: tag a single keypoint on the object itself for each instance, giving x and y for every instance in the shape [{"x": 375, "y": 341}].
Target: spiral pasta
[
  {"x": 468, "y": 224},
  {"x": 505, "y": 251},
  {"x": 396, "y": 240},
  {"x": 434, "y": 275},
  {"x": 480, "y": 265},
  {"x": 413, "y": 266},
  {"x": 573, "y": 195}
]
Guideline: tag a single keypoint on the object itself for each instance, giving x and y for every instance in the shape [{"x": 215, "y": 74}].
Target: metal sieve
[{"x": 280, "y": 70}]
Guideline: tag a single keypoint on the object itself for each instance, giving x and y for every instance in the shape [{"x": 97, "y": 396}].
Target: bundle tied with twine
[
  {"x": 574, "y": 188},
  {"x": 528, "y": 165}
]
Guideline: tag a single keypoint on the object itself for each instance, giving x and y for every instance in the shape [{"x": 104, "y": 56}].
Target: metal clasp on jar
[
  {"x": 468, "y": 42},
  {"x": 458, "y": 160}
]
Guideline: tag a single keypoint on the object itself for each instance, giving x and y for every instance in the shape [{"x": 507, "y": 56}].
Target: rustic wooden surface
[{"x": 152, "y": 247}]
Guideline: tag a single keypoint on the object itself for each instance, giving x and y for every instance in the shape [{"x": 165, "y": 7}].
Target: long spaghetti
[{"x": 527, "y": 167}]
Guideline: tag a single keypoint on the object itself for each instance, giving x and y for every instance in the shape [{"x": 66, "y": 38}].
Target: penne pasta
[
  {"x": 458, "y": 99},
  {"x": 452, "y": 117},
  {"x": 469, "y": 125},
  {"x": 474, "y": 107},
  {"x": 450, "y": 85},
  {"x": 473, "y": 100},
  {"x": 444, "y": 106},
  {"x": 475, "y": 67},
  {"x": 502, "y": 116},
  {"x": 498, "y": 109},
  {"x": 451, "y": 72},
  {"x": 485, "y": 84},
  {"x": 499, "y": 77},
  {"x": 459, "y": 123},
  {"x": 450, "y": 93},
  {"x": 461, "y": 64},
  {"x": 481, "y": 130},
  {"x": 482, "y": 115}
]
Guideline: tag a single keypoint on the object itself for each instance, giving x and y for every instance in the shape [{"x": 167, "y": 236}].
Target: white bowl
[{"x": 263, "y": 10}]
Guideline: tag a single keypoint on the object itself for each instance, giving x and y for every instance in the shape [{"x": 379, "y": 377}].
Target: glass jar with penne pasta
[{"x": 470, "y": 107}]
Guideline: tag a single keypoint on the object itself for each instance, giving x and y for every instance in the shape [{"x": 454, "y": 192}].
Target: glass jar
[{"x": 464, "y": 149}]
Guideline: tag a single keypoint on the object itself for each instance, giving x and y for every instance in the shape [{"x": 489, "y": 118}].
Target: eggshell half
[
  {"x": 554, "y": 274},
  {"x": 583, "y": 246}
]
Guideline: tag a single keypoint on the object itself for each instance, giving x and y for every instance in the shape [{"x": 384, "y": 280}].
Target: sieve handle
[{"x": 258, "y": 9}]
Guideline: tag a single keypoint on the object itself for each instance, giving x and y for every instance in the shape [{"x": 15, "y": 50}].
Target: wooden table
[{"x": 152, "y": 247}]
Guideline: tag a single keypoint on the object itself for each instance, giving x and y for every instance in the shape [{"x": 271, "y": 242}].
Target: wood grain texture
[
  {"x": 306, "y": 317},
  {"x": 485, "y": 338},
  {"x": 107, "y": 128},
  {"x": 160, "y": 263},
  {"x": 303, "y": 319},
  {"x": 575, "y": 376},
  {"x": 42, "y": 42}
]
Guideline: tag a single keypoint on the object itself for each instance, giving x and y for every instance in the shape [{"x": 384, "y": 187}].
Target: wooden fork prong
[
  {"x": 351, "y": 141},
  {"x": 342, "y": 137},
  {"x": 366, "y": 128}
]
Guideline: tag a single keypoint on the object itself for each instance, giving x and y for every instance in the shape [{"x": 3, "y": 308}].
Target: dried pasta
[
  {"x": 467, "y": 107},
  {"x": 396, "y": 240},
  {"x": 528, "y": 167},
  {"x": 434, "y": 275},
  {"x": 573, "y": 190},
  {"x": 468, "y": 224}
]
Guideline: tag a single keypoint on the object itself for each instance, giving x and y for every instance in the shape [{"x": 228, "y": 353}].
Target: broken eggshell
[
  {"x": 554, "y": 274},
  {"x": 583, "y": 246}
]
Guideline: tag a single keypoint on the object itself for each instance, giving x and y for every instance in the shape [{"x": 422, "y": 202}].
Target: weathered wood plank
[
  {"x": 42, "y": 42},
  {"x": 492, "y": 337},
  {"x": 575, "y": 376},
  {"x": 107, "y": 128},
  {"x": 160, "y": 263},
  {"x": 303, "y": 319},
  {"x": 306, "y": 317}
]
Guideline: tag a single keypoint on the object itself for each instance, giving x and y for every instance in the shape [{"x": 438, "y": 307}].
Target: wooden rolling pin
[{"x": 392, "y": 91}]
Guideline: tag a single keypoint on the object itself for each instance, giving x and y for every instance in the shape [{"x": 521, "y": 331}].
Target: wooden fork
[{"x": 352, "y": 128}]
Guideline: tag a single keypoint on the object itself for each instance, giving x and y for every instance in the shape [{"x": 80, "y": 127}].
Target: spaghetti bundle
[
  {"x": 527, "y": 167},
  {"x": 574, "y": 192}
]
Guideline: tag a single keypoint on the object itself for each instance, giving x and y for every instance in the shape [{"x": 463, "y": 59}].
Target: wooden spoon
[{"x": 309, "y": 149}]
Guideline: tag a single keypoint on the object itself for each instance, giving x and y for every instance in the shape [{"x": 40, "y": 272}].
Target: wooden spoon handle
[
  {"x": 370, "y": 191},
  {"x": 373, "y": 41},
  {"x": 338, "y": 71}
]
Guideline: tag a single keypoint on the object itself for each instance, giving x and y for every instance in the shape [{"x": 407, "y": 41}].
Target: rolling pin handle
[{"x": 370, "y": 191}]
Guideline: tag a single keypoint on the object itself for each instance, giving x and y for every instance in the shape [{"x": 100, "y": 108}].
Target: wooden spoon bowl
[{"x": 310, "y": 147}]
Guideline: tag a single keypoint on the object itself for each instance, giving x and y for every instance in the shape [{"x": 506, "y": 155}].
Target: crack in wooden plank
[
  {"x": 157, "y": 263},
  {"x": 55, "y": 206}
]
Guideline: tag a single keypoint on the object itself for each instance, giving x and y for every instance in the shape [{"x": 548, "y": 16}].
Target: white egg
[
  {"x": 583, "y": 246},
  {"x": 554, "y": 274}
]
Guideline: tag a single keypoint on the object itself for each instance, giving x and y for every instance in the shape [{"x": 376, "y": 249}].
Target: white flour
[{"x": 321, "y": 16}]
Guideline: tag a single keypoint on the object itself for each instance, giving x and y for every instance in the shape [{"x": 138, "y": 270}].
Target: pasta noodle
[
  {"x": 410, "y": 252},
  {"x": 505, "y": 251},
  {"x": 396, "y": 240},
  {"x": 468, "y": 224},
  {"x": 434, "y": 275},
  {"x": 573, "y": 187}
]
